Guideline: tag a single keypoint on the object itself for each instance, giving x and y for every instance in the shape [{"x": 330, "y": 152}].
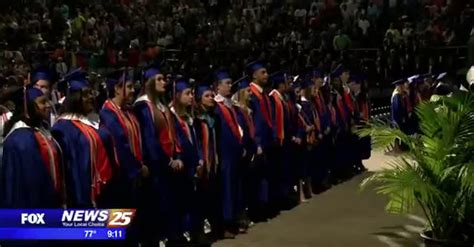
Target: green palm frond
[{"x": 437, "y": 173}]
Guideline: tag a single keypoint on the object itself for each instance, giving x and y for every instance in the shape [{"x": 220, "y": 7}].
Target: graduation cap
[
  {"x": 295, "y": 85},
  {"x": 441, "y": 76},
  {"x": 442, "y": 89},
  {"x": 399, "y": 82},
  {"x": 23, "y": 95},
  {"x": 254, "y": 66},
  {"x": 316, "y": 73},
  {"x": 240, "y": 83},
  {"x": 427, "y": 75},
  {"x": 277, "y": 78},
  {"x": 326, "y": 80},
  {"x": 338, "y": 71},
  {"x": 118, "y": 77},
  {"x": 354, "y": 79},
  {"x": 413, "y": 79},
  {"x": 222, "y": 74},
  {"x": 181, "y": 84},
  {"x": 40, "y": 75},
  {"x": 151, "y": 71},
  {"x": 74, "y": 81},
  {"x": 205, "y": 84},
  {"x": 201, "y": 89},
  {"x": 33, "y": 93},
  {"x": 306, "y": 83},
  {"x": 287, "y": 75}
]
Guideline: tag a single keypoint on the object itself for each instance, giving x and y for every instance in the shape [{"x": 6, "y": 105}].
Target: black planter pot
[{"x": 431, "y": 242}]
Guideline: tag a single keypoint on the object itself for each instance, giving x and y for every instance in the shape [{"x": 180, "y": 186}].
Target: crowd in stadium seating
[{"x": 109, "y": 34}]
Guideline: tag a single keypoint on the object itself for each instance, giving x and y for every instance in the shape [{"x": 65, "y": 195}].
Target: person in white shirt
[{"x": 364, "y": 25}]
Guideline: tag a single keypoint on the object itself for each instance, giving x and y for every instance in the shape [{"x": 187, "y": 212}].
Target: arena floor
[{"x": 341, "y": 217}]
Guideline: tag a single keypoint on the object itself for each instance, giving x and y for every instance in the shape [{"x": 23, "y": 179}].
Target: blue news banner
[{"x": 67, "y": 224}]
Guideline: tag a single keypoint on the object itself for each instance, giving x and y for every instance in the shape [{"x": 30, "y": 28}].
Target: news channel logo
[{"x": 110, "y": 218}]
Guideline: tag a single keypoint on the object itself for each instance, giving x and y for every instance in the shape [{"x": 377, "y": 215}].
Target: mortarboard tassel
[
  {"x": 28, "y": 80},
  {"x": 124, "y": 81},
  {"x": 25, "y": 103}
]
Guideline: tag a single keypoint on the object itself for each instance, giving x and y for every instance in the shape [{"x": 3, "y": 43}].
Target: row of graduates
[
  {"x": 212, "y": 158},
  {"x": 411, "y": 91}
]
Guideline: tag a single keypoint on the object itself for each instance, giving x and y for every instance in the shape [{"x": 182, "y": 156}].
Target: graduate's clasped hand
[{"x": 177, "y": 165}]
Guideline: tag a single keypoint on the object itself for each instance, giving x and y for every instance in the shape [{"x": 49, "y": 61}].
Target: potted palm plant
[{"x": 436, "y": 174}]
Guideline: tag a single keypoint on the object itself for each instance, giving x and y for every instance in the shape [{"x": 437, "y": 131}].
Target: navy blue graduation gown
[
  {"x": 188, "y": 143},
  {"x": 162, "y": 207},
  {"x": 185, "y": 183},
  {"x": 230, "y": 150},
  {"x": 204, "y": 126},
  {"x": 263, "y": 129},
  {"x": 282, "y": 134},
  {"x": 208, "y": 188},
  {"x": 25, "y": 182},
  {"x": 248, "y": 139},
  {"x": 399, "y": 112},
  {"x": 310, "y": 115},
  {"x": 311, "y": 160},
  {"x": 323, "y": 112},
  {"x": 129, "y": 164},
  {"x": 77, "y": 160},
  {"x": 247, "y": 186},
  {"x": 285, "y": 120}
]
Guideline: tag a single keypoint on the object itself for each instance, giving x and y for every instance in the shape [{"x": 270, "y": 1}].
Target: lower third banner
[{"x": 62, "y": 234}]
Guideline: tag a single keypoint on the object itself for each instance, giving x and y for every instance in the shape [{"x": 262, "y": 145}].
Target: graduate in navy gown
[
  {"x": 186, "y": 183},
  {"x": 88, "y": 152},
  {"x": 321, "y": 172},
  {"x": 262, "y": 119},
  {"x": 230, "y": 150},
  {"x": 360, "y": 118},
  {"x": 161, "y": 154},
  {"x": 31, "y": 174},
  {"x": 298, "y": 132},
  {"x": 343, "y": 153},
  {"x": 282, "y": 135},
  {"x": 247, "y": 175},
  {"x": 399, "y": 105},
  {"x": 42, "y": 80},
  {"x": 313, "y": 135},
  {"x": 208, "y": 188},
  {"x": 117, "y": 118}
]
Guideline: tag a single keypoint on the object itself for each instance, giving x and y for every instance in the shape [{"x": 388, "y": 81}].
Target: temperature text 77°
[{"x": 89, "y": 233}]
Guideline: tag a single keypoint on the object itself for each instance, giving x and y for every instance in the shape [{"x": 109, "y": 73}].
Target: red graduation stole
[
  {"x": 407, "y": 102},
  {"x": 280, "y": 109},
  {"x": 249, "y": 122},
  {"x": 208, "y": 157},
  {"x": 185, "y": 127},
  {"x": 205, "y": 143},
  {"x": 51, "y": 160},
  {"x": 348, "y": 100},
  {"x": 319, "y": 103},
  {"x": 231, "y": 120},
  {"x": 311, "y": 136},
  {"x": 317, "y": 124},
  {"x": 340, "y": 107},
  {"x": 364, "y": 109},
  {"x": 264, "y": 106},
  {"x": 101, "y": 170},
  {"x": 130, "y": 126},
  {"x": 165, "y": 129},
  {"x": 333, "y": 114}
]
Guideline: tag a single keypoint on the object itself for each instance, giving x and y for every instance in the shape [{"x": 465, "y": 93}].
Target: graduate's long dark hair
[
  {"x": 149, "y": 89},
  {"x": 73, "y": 104},
  {"x": 31, "y": 117}
]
